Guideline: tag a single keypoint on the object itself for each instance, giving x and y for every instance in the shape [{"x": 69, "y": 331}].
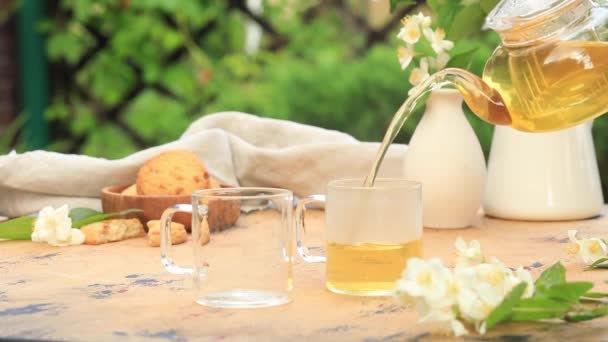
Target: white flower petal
[
  {"x": 446, "y": 45},
  {"x": 460, "y": 244},
  {"x": 405, "y": 56},
  {"x": 428, "y": 34},
  {"x": 468, "y": 255},
  {"x": 63, "y": 211},
  {"x": 523, "y": 275},
  {"x": 592, "y": 249},
  {"x": 39, "y": 236},
  {"x": 424, "y": 64},
  {"x": 409, "y": 33},
  {"x": 572, "y": 235},
  {"x": 54, "y": 226},
  {"x": 77, "y": 237},
  {"x": 62, "y": 231},
  {"x": 458, "y": 328},
  {"x": 57, "y": 243}
]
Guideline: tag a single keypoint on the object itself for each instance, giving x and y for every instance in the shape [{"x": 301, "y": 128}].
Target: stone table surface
[{"x": 120, "y": 291}]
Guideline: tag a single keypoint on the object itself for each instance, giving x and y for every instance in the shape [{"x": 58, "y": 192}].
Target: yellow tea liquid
[
  {"x": 551, "y": 86},
  {"x": 367, "y": 269}
]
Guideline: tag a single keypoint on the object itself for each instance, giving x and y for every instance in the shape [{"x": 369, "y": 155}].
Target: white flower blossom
[
  {"x": 437, "y": 40},
  {"x": 421, "y": 19},
  {"x": 54, "y": 226},
  {"x": 468, "y": 255},
  {"x": 476, "y": 305},
  {"x": 496, "y": 275},
  {"x": 421, "y": 73},
  {"x": 439, "y": 62},
  {"x": 405, "y": 55},
  {"x": 483, "y": 287},
  {"x": 446, "y": 300},
  {"x": 410, "y": 32},
  {"x": 427, "y": 279},
  {"x": 590, "y": 250}
]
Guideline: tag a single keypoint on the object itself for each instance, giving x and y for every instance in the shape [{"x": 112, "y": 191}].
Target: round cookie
[{"x": 177, "y": 172}]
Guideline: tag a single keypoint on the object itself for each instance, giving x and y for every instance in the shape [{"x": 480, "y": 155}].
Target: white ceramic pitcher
[{"x": 543, "y": 176}]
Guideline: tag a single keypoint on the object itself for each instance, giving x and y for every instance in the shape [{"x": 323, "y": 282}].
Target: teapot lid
[
  {"x": 508, "y": 14},
  {"x": 523, "y": 22}
]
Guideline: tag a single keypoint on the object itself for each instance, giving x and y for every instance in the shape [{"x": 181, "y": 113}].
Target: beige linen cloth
[{"x": 237, "y": 148}]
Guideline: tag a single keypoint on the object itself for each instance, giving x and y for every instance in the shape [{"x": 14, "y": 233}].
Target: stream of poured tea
[{"x": 549, "y": 87}]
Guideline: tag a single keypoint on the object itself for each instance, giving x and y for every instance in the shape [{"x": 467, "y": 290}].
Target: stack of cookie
[{"x": 175, "y": 173}]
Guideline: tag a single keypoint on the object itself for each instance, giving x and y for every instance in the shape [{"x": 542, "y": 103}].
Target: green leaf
[
  {"x": 83, "y": 120},
  {"x": 587, "y": 314},
  {"x": 556, "y": 274},
  {"x": 569, "y": 292},
  {"x": 434, "y": 5},
  {"x": 466, "y": 23},
  {"x": 464, "y": 46},
  {"x": 142, "y": 116},
  {"x": 598, "y": 262},
  {"x": 505, "y": 309},
  {"x": 596, "y": 295},
  {"x": 109, "y": 141},
  {"x": 487, "y": 5},
  {"x": 77, "y": 214},
  {"x": 533, "y": 309},
  {"x": 395, "y": 3},
  {"x": 100, "y": 217},
  {"x": 17, "y": 229},
  {"x": 446, "y": 14}
]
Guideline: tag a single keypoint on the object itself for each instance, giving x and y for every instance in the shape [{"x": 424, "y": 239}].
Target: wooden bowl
[
  {"x": 153, "y": 206},
  {"x": 222, "y": 214}
]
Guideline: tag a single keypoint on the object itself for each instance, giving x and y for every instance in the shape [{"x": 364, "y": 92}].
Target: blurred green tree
[{"x": 131, "y": 74}]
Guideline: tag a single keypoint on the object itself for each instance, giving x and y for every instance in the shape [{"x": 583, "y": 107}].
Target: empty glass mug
[
  {"x": 248, "y": 260},
  {"x": 370, "y": 232}
]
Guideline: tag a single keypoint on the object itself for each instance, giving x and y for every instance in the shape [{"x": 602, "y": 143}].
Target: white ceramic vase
[
  {"x": 543, "y": 176},
  {"x": 446, "y": 157}
]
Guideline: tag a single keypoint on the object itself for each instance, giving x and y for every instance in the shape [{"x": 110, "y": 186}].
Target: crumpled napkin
[{"x": 237, "y": 149}]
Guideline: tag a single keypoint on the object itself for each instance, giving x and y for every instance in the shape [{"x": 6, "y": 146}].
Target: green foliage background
[
  {"x": 151, "y": 75},
  {"x": 132, "y": 74}
]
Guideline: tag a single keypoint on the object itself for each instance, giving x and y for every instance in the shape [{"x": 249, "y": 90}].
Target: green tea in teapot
[
  {"x": 550, "y": 73},
  {"x": 558, "y": 85}
]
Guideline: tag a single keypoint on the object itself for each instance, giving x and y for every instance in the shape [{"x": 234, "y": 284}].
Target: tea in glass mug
[{"x": 371, "y": 233}]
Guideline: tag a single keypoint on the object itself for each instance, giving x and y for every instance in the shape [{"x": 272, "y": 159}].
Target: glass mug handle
[
  {"x": 165, "y": 238},
  {"x": 301, "y": 227}
]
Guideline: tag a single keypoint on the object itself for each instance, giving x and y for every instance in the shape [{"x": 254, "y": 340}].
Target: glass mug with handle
[
  {"x": 371, "y": 232},
  {"x": 248, "y": 260}
]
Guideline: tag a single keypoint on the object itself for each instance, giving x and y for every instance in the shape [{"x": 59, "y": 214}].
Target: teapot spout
[{"x": 483, "y": 100}]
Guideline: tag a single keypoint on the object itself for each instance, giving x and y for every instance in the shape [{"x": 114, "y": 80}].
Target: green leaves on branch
[
  {"x": 554, "y": 298},
  {"x": 21, "y": 228}
]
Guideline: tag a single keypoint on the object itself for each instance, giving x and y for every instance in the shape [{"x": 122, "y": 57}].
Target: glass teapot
[{"x": 551, "y": 71}]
